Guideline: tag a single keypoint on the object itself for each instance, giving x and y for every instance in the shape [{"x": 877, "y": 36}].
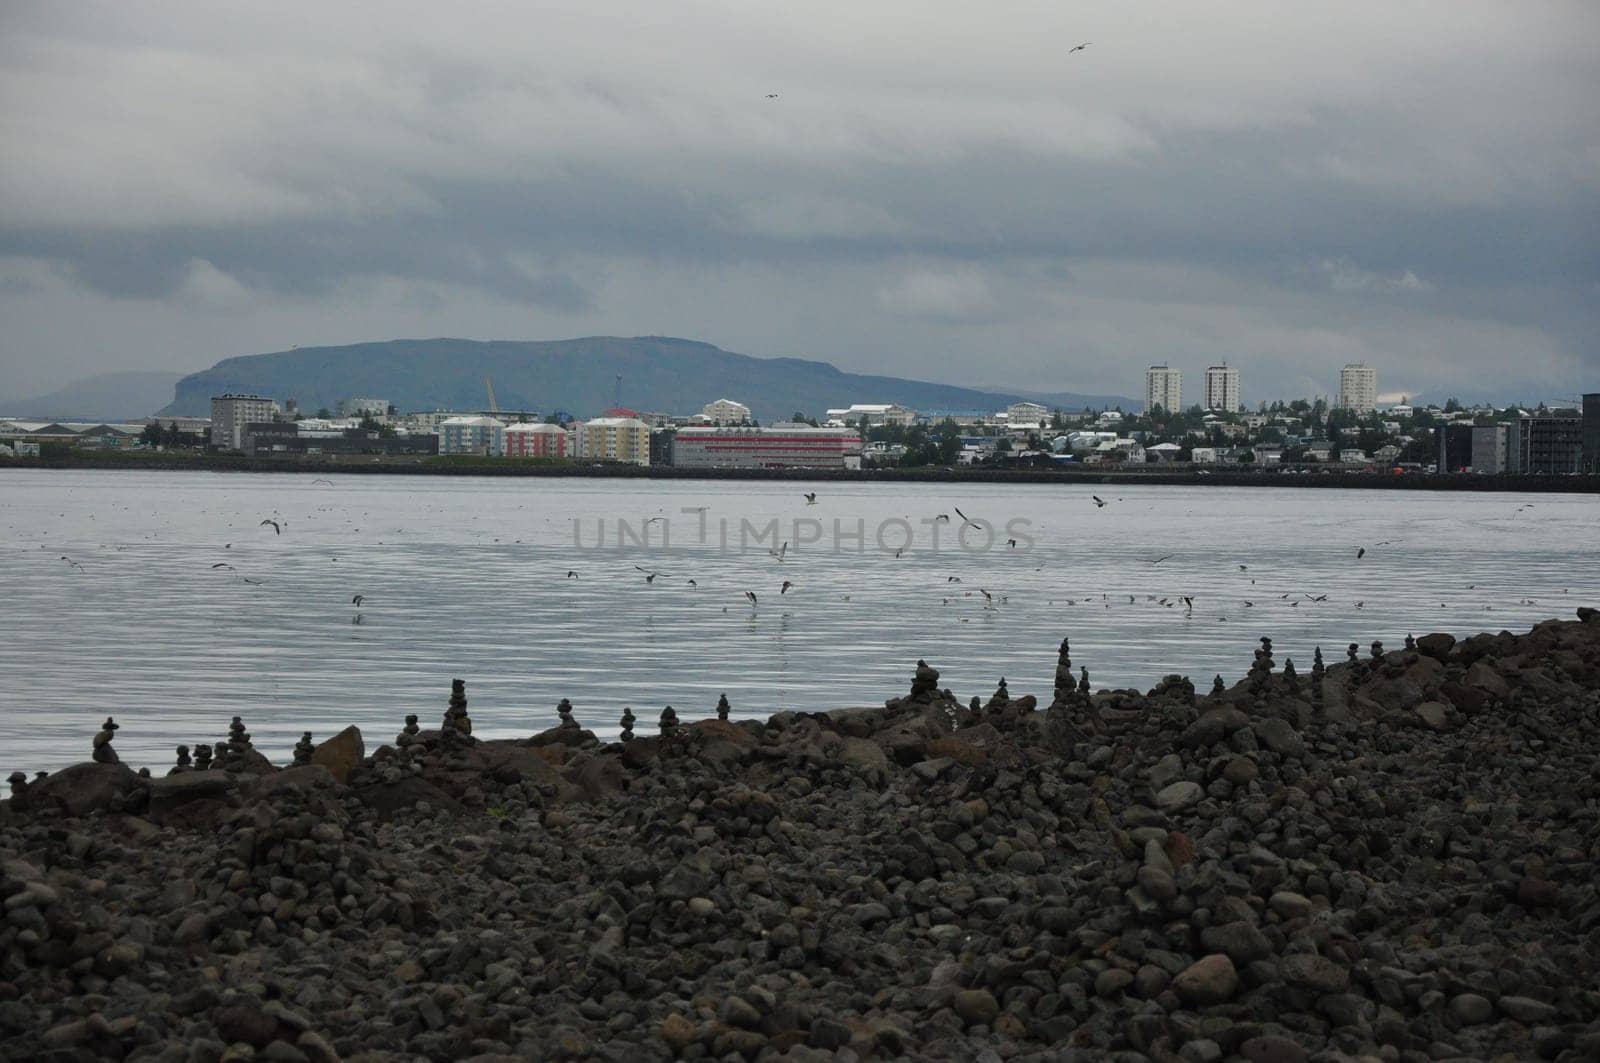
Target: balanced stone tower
[
  {"x": 457, "y": 724},
  {"x": 628, "y": 719},
  {"x": 103, "y": 753},
  {"x": 184, "y": 763},
  {"x": 303, "y": 750},
  {"x": 723, "y": 708},
  {"x": 564, "y": 713}
]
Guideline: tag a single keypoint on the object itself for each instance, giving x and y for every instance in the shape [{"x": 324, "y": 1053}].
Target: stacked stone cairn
[
  {"x": 628, "y": 720},
  {"x": 1001, "y": 699},
  {"x": 303, "y": 750},
  {"x": 457, "y": 724},
  {"x": 669, "y": 723},
  {"x": 202, "y": 756},
  {"x": 184, "y": 762},
  {"x": 19, "y": 791},
  {"x": 1318, "y": 671},
  {"x": 408, "y": 733},
  {"x": 103, "y": 753},
  {"x": 238, "y": 747},
  {"x": 723, "y": 708},
  {"x": 564, "y": 713}
]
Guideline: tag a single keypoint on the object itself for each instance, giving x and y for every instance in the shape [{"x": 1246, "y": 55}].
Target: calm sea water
[{"x": 468, "y": 578}]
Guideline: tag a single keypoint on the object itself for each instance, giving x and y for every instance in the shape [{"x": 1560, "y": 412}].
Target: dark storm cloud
[{"x": 932, "y": 187}]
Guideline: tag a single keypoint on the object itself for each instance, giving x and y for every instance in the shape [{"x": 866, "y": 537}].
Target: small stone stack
[
  {"x": 219, "y": 756},
  {"x": 1317, "y": 674},
  {"x": 1291, "y": 679},
  {"x": 1411, "y": 644},
  {"x": 184, "y": 763},
  {"x": 303, "y": 750},
  {"x": 408, "y": 733},
  {"x": 1218, "y": 688},
  {"x": 723, "y": 708},
  {"x": 1001, "y": 699},
  {"x": 1064, "y": 685},
  {"x": 925, "y": 684},
  {"x": 19, "y": 791},
  {"x": 1261, "y": 670},
  {"x": 1084, "y": 689},
  {"x": 564, "y": 713},
  {"x": 238, "y": 746},
  {"x": 103, "y": 753},
  {"x": 457, "y": 724},
  {"x": 628, "y": 719},
  {"x": 202, "y": 756},
  {"x": 669, "y": 723},
  {"x": 975, "y": 706}
]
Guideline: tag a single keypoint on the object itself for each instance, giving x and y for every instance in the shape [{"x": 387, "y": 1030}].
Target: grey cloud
[{"x": 933, "y": 186}]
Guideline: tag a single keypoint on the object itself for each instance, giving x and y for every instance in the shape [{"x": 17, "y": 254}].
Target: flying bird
[
  {"x": 1099, "y": 502},
  {"x": 316, "y": 482},
  {"x": 275, "y": 526},
  {"x": 71, "y": 563},
  {"x": 772, "y": 95},
  {"x": 785, "y": 588},
  {"x": 571, "y": 574},
  {"x": 692, "y": 583},
  {"x": 1080, "y": 47},
  {"x": 357, "y": 600},
  {"x": 1162, "y": 558},
  {"x": 811, "y": 498},
  {"x": 223, "y": 564},
  {"x": 943, "y": 516},
  {"x": 253, "y": 582},
  {"x": 1360, "y": 553},
  {"x": 751, "y": 595},
  {"x": 649, "y": 577},
  {"x": 964, "y": 518},
  {"x": 781, "y": 551},
  {"x": 952, "y": 579},
  {"x": 1011, "y": 543}
]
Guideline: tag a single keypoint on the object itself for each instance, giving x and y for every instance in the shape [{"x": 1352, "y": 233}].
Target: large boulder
[
  {"x": 192, "y": 798},
  {"x": 341, "y": 753},
  {"x": 90, "y": 787}
]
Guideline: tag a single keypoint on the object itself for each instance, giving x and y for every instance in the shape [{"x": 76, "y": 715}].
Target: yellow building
[{"x": 624, "y": 439}]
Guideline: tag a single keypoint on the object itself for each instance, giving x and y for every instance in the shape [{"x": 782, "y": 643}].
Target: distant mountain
[
  {"x": 106, "y": 397},
  {"x": 579, "y": 376}
]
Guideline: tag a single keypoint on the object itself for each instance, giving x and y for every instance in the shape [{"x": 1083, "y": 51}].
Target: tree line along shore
[{"x": 1388, "y": 855}]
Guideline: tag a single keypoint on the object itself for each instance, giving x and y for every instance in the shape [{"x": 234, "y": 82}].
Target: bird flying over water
[
  {"x": 943, "y": 516},
  {"x": 571, "y": 574},
  {"x": 316, "y": 482},
  {"x": 751, "y": 595},
  {"x": 965, "y": 520},
  {"x": 1360, "y": 553},
  {"x": 772, "y": 95},
  {"x": 811, "y": 498},
  {"x": 781, "y": 551},
  {"x": 1162, "y": 558},
  {"x": 254, "y": 582},
  {"x": 1079, "y": 48},
  {"x": 1099, "y": 502},
  {"x": 785, "y": 588},
  {"x": 276, "y": 527},
  {"x": 357, "y": 600},
  {"x": 223, "y": 564},
  {"x": 71, "y": 563},
  {"x": 1011, "y": 543}
]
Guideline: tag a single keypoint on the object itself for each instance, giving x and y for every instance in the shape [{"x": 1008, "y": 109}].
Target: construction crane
[{"x": 488, "y": 386}]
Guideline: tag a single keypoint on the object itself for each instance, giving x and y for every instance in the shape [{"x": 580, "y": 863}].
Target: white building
[
  {"x": 1222, "y": 388},
  {"x": 1358, "y": 388},
  {"x": 1163, "y": 387},
  {"x": 230, "y": 413},
  {"x": 484, "y": 436},
  {"x": 781, "y": 445},
  {"x": 726, "y": 412},
  {"x": 1027, "y": 414},
  {"x": 873, "y": 413}
]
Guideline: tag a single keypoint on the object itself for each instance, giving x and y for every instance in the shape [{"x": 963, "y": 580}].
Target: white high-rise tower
[
  {"x": 1163, "y": 387},
  {"x": 1358, "y": 388},
  {"x": 1222, "y": 388}
]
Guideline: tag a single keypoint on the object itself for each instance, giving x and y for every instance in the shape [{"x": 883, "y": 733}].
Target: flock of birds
[{"x": 989, "y": 600}]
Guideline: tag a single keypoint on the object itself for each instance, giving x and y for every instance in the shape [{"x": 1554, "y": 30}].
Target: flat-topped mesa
[
  {"x": 456, "y": 724},
  {"x": 303, "y": 750},
  {"x": 564, "y": 714},
  {"x": 628, "y": 720},
  {"x": 723, "y": 708},
  {"x": 103, "y": 753},
  {"x": 184, "y": 763}
]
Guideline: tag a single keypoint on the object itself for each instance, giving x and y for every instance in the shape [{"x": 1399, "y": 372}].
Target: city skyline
[{"x": 942, "y": 194}]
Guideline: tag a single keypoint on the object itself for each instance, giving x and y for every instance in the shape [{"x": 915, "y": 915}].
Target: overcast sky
[{"x": 939, "y": 190}]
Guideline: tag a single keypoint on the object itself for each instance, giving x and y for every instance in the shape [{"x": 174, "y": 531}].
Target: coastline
[
  {"x": 408, "y": 466},
  {"x": 1390, "y": 856}
]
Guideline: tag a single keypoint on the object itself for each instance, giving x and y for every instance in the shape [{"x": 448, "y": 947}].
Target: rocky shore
[{"x": 1392, "y": 857}]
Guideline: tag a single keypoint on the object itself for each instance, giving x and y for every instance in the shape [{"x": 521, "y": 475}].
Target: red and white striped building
[
  {"x": 775, "y": 446},
  {"x": 536, "y": 441}
]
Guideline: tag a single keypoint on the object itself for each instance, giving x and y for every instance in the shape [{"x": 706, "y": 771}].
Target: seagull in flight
[
  {"x": 942, "y": 517},
  {"x": 71, "y": 563},
  {"x": 965, "y": 520},
  {"x": 772, "y": 95},
  {"x": 253, "y": 582},
  {"x": 1099, "y": 502},
  {"x": 223, "y": 564},
  {"x": 1012, "y": 543},
  {"x": 276, "y": 527},
  {"x": 649, "y": 577},
  {"x": 1080, "y": 47},
  {"x": 1361, "y": 552},
  {"x": 781, "y": 551},
  {"x": 571, "y": 574},
  {"x": 316, "y": 482},
  {"x": 785, "y": 588},
  {"x": 357, "y": 600},
  {"x": 751, "y": 595},
  {"x": 811, "y": 498},
  {"x": 1162, "y": 558}
]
